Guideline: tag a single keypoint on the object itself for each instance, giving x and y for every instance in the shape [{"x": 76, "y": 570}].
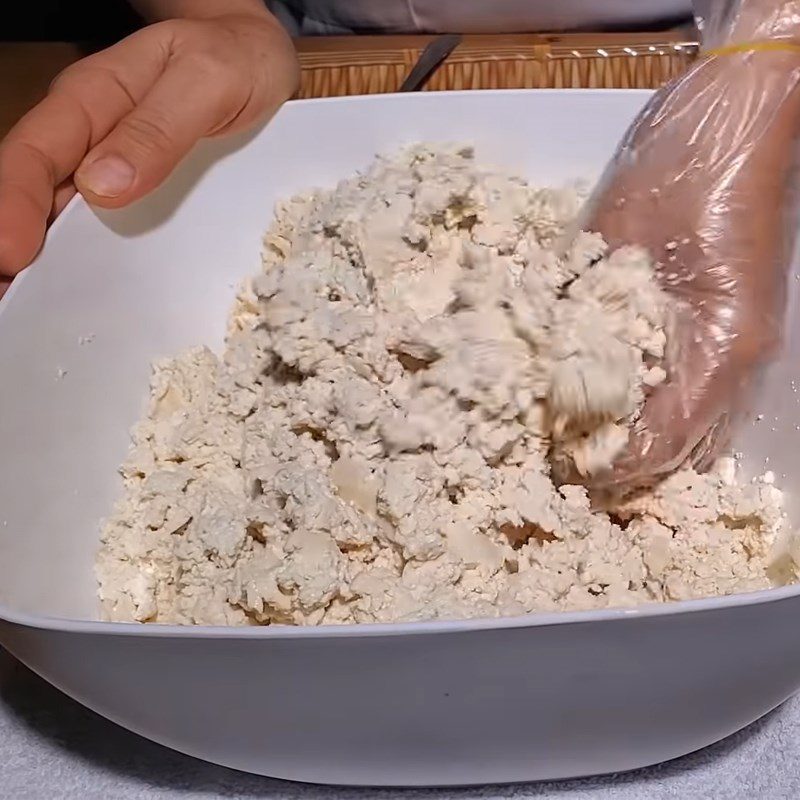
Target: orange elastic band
[{"x": 775, "y": 45}]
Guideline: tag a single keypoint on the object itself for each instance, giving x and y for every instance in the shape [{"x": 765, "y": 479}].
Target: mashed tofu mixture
[{"x": 377, "y": 441}]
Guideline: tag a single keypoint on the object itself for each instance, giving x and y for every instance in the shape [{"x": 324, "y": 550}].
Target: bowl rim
[{"x": 369, "y": 630}]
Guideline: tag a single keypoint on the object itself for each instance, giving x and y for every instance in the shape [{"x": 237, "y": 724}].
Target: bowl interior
[{"x": 111, "y": 292}]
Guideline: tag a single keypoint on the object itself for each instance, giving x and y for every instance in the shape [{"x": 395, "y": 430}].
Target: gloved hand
[
  {"x": 115, "y": 124},
  {"x": 703, "y": 180}
]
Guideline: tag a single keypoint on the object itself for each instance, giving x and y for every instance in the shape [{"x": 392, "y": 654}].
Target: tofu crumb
[{"x": 377, "y": 443}]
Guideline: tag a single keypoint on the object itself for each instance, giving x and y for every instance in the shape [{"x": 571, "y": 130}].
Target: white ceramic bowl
[{"x": 545, "y": 696}]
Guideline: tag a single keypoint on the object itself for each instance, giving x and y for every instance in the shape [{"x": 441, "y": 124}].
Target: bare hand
[{"x": 114, "y": 125}]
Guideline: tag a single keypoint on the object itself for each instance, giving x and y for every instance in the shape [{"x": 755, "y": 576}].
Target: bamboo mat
[
  {"x": 373, "y": 64},
  {"x": 26, "y": 69},
  {"x": 339, "y": 66}
]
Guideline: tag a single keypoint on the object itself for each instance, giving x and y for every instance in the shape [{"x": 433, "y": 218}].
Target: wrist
[
  {"x": 763, "y": 19},
  {"x": 160, "y": 10}
]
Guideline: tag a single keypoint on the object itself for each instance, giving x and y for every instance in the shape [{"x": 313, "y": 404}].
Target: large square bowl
[{"x": 539, "y": 697}]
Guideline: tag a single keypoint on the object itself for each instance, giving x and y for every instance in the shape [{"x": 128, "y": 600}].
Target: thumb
[
  {"x": 147, "y": 144},
  {"x": 682, "y": 418}
]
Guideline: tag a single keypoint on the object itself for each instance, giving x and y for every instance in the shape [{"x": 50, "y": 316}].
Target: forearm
[{"x": 157, "y": 10}]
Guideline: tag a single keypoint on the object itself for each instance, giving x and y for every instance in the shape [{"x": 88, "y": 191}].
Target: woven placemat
[{"x": 337, "y": 66}]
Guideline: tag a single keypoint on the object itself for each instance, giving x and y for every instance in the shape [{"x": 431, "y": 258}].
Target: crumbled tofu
[{"x": 376, "y": 443}]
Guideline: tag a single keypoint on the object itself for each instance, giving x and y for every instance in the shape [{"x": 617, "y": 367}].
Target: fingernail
[{"x": 109, "y": 176}]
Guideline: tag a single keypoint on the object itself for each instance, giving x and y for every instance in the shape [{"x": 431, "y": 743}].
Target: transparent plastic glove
[{"x": 702, "y": 179}]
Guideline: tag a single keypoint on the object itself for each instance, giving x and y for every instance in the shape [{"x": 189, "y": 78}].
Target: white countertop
[{"x": 51, "y": 748}]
